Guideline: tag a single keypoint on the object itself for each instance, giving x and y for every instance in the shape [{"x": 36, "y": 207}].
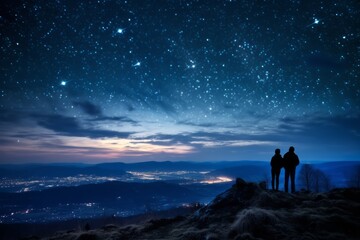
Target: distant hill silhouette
[
  {"x": 112, "y": 169},
  {"x": 247, "y": 211},
  {"x": 36, "y": 171},
  {"x": 247, "y": 172},
  {"x": 172, "y": 166}
]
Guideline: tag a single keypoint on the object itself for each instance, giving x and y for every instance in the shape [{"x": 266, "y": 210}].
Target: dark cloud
[
  {"x": 166, "y": 106},
  {"x": 189, "y": 123},
  {"x": 152, "y": 101},
  {"x": 200, "y": 136},
  {"x": 60, "y": 145},
  {"x": 31, "y": 135},
  {"x": 89, "y": 108},
  {"x": 341, "y": 132},
  {"x": 352, "y": 123},
  {"x": 61, "y": 124},
  {"x": 10, "y": 116},
  {"x": 168, "y": 139},
  {"x": 4, "y": 141},
  {"x": 116, "y": 119},
  {"x": 70, "y": 126},
  {"x": 130, "y": 108},
  {"x": 258, "y": 115},
  {"x": 231, "y": 136},
  {"x": 95, "y": 111},
  {"x": 338, "y": 123}
]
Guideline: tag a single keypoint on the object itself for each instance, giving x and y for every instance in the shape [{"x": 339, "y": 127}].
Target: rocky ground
[{"x": 248, "y": 211}]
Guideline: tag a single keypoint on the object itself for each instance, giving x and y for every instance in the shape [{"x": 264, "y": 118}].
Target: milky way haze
[{"x": 93, "y": 81}]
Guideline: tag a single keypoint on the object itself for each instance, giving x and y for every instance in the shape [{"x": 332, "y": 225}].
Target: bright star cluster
[{"x": 206, "y": 80}]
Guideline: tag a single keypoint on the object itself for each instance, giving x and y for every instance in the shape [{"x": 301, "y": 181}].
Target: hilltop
[{"x": 249, "y": 211}]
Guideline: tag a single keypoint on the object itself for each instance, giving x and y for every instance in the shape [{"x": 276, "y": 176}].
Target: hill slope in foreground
[{"x": 247, "y": 211}]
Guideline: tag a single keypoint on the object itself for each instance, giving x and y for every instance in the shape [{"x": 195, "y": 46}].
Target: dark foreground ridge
[{"x": 248, "y": 211}]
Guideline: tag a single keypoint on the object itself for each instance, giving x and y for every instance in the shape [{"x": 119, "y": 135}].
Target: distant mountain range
[
  {"x": 247, "y": 172},
  {"x": 108, "y": 169}
]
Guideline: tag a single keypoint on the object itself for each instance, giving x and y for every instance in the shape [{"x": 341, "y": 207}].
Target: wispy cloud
[
  {"x": 239, "y": 143},
  {"x": 70, "y": 126},
  {"x": 89, "y": 108},
  {"x": 116, "y": 119},
  {"x": 96, "y": 112},
  {"x": 59, "y": 135},
  {"x": 335, "y": 127},
  {"x": 190, "y": 123}
]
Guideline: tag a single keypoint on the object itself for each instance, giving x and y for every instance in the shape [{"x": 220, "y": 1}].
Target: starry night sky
[{"x": 95, "y": 81}]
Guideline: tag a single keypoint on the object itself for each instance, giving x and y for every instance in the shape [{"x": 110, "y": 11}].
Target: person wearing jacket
[
  {"x": 291, "y": 160},
  {"x": 276, "y": 165}
]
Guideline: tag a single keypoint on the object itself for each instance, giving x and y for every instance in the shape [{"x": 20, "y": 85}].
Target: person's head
[
  {"x": 277, "y": 151},
  {"x": 291, "y": 149}
]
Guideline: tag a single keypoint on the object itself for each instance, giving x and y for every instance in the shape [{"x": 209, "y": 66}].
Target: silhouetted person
[
  {"x": 87, "y": 227},
  {"x": 276, "y": 165},
  {"x": 291, "y": 160}
]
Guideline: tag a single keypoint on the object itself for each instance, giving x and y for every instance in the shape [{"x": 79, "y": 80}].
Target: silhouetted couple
[{"x": 289, "y": 162}]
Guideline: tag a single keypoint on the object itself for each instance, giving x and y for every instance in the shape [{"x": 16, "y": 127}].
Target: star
[
  {"x": 192, "y": 65},
  {"x": 316, "y": 22},
  {"x": 137, "y": 64},
  {"x": 63, "y": 83},
  {"x": 120, "y": 30}
]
